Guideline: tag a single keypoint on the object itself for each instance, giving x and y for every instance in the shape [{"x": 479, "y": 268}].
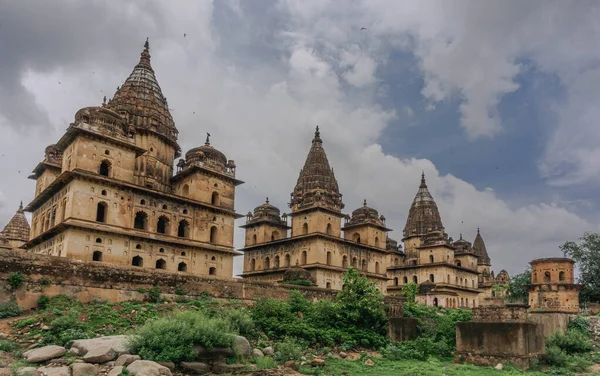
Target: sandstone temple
[{"x": 115, "y": 190}]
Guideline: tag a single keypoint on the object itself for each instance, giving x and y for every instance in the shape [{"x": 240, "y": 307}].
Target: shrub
[
  {"x": 154, "y": 294},
  {"x": 63, "y": 303},
  {"x": 579, "y": 324},
  {"x": 572, "y": 342},
  {"x": 555, "y": 356},
  {"x": 43, "y": 302},
  {"x": 45, "y": 281},
  {"x": 26, "y": 322},
  {"x": 420, "y": 349},
  {"x": 289, "y": 349},
  {"x": 265, "y": 363},
  {"x": 240, "y": 322},
  {"x": 173, "y": 338},
  {"x": 141, "y": 290},
  {"x": 6, "y": 345},
  {"x": 179, "y": 291},
  {"x": 9, "y": 309},
  {"x": 16, "y": 280}
]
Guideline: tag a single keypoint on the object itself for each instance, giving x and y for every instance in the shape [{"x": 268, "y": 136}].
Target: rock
[
  {"x": 43, "y": 354},
  {"x": 241, "y": 346},
  {"x": 195, "y": 368},
  {"x": 6, "y": 372},
  {"x": 343, "y": 355},
  {"x": 74, "y": 351},
  {"x": 60, "y": 362},
  {"x": 317, "y": 362},
  {"x": 117, "y": 343},
  {"x": 303, "y": 358},
  {"x": 45, "y": 327},
  {"x": 222, "y": 367},
  {"x": 291, "y": 364},
  {"x": 84, "y": 369},
  {"x": 369, "y": 363},
  {"x": 215, "y": 353},
  {"x": 27, "y": 371},
  {"x": 499, "y": 366},
  {"x": 258, "y": 353},
  {"x": 169, "y": 365},
  {"x": 126, "y": 359},
  {"x": 100, "y": 354},
  {"x": 268, "y": 351},
  {"x": 115, "y": 371},
  {"x": 55, "y": 371},
  {"x": 148, "y": 368},
  {"x": 354, "y": 356}
]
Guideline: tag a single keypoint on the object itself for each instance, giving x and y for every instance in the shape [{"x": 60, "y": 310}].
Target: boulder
[
  {"x": 291, "y": 364},
  {"x": 115, "y": 371},
  {"x": 148, "y": 368},
  {"x": 6, "y": 372},
  {"x": 215, "y": 353},
  {"x": 316, "y": 362},
  {"x": 169, "y": 365},
  {"x": 100, "y": 354},
  {"x": 55, "y": 371},
  {"x": 298, "y": 274},
  {"x": 118, "y": 343},
  {"x": 74, "y": 351},
  {"x": 268, "y": 351},
  {"x": 43, "y": 354},
  {"x": 343, "y": 355},
  {"x": 222, "y": 367},
  {"x": 369, "y": 363},
  {"x": 258, "y": 353},
  {"x": 28, "y": 371},
  {"x": 499, "y": 366},
  {"x": 84, "y": 369},
  {"x": 241, "y": 346},
  {"x": 126, "y": 359},
  {"x": 195, "y": 368}
]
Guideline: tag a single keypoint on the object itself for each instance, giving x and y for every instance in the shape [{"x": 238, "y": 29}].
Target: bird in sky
[{"x": 363, "y": 28}]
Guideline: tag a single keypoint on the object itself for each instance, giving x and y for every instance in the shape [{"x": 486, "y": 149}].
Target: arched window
[
  {"x": 458, "y": 263},
  {"x": 214, "y": 199},
  {"x": 213, "y": 235},
  {"x": 183, "y": 230},
  {"x": 473, "y": 303},
  {"x": 328, "y": 285},
  {"x": 104, "y": 193},
  {"x": 98, "y": 240},
  {"x": 356, "y": 237},
  {"x": 305, "y": 228},
  {"x": 473, "y": 283},
  {"x": 431, "y": 278},
  {"x": 396, "y": 261},
  {"x": 547, "y": 277},
  {"x": 435, "y": 302},
  {"x": 267, "y": 263},
  {"x": 137, "y": 261},
  {"x": 405, "y": 279},
  {"x": 182, "y": 267},
  {"x": 141, "y": 221},
  {"x": 415, "y": 280},
  {"x": 288, "y": 260},
  {"x": 328, "y": 258},
  {"x": 304, "y": 257},
  {"x": 329, "y": 230},
  {"x": 183, "y": 254},
  {"x": 138, "y": 246},
  {"x": 363, "y": 265},
  {"x": 162, "y": 226},
  {"x": 276, "y": 261},
  {"x": 254, "y": 239},
  {"x": 185, "y": 191},
  {"x": 213, "y": 258},
  {"x": 376, "y": 241},
  {"x": 561, "y": 276},
  {"x": 431, "y": 259},
  {"x": 462, "y": 302},
  {"x": 97, "y": 256},
  {"x": 104, "y": 169},
  {"x": 395, "y": 281},
  {"x": 274, "y": 235},
  {"x": 534, "y": 277},
  {"x": 355, "y": 263},
  {"x": 162, "y": 250},
  {"x": 142, "y": 202},
  {"x": 252, "y": 265},
  {"x": 107, "y": 152},
  {"x": 161, "y": 264},
  {"x": 377, "y": 267},
  {"x": 345, "y": 262},
  {"x": 101, "y": 211},
  {"x": 212, "y": 270},
  {"x": 448, "y": 278}
]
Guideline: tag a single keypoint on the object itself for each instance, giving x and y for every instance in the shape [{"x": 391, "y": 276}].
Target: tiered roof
[
  {"x": 480, "y": 250},
  {"x": 424, "y": 216},
  {"x": 17, "y": 228}
]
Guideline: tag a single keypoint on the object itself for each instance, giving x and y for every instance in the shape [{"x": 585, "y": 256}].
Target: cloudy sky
[{"x": 496, "y": 101}]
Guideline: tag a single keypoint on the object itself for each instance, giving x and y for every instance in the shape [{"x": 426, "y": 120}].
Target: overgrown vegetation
[
  {"x": 572, "y": 351},
  {"x": 9, "y": 309},
  {"x": 154, "y": 294},
  {"x": 516, "y": 287},
  {"x": 587, "y": 255},
  {"x": 16, "y": 280},
  {"x": 299, "y": 282}
]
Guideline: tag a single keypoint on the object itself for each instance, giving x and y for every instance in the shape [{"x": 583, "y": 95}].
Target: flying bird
[
  {"x": 184, "y": 34},
  {"x": 363, "y": 28}
]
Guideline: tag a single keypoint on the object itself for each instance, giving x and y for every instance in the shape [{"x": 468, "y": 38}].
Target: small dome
[
  {"x": 365, "y": 214},
  {"x": 266, "y": 212},
  {"x": 462, "y": 245},
  {"x": 208, "y": 155},
  {"x": 266, "y": 209}
]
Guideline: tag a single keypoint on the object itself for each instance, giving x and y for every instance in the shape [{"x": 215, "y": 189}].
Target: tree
[
  {"x": 516, "y": 287},
  {"x": 587, "y": 254},
  {"x": 361, "y": 302},
  {"x": 410, "y": 290}
]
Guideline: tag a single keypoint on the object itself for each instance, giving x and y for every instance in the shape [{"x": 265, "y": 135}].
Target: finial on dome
[
  {"x": 21, "y": 206},
  {"x": 104, "y": 100},
  {"x": 145, "y": 56},
  {"x": 365, "y": 202},
  {"x": 207, "y": 143},
  {"x": 147, "y": 44},
  {"x": 423, "y": 184},
  {"x": 317, "y": 135},
  {"x": 461, "y": 236},
  {"x": 477, "y": 230},
  {"x": 267, "y": 201}
]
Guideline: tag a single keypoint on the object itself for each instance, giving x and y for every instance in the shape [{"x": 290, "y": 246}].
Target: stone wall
[
  {"x": 549, "y": 322},
  {"x": 508, "y": 313},
  {"x": 95, "y": 280}
]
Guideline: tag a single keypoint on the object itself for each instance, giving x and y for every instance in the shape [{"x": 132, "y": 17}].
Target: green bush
[
  {"x": 240, "y": 322},
  {"x": 64, "y": 303},
  {"x": 572, "y": 342},
  {"x": 16, "y": 280},
  {"x": 172, "y": 338},
  {"x": 26, "y": 322},
  {"x": 179, "y": 291},
  {"x": 420, "y": 348},
  {"x": 9, "y": 309},
  {"x": 6, "y": 345},
  {"x": 45, "y": 281},
  {"x": 555, "y": 356},
  {"x": 289, "y": 349},
  {"x": 579, "y": 324},
  {"x": 154, "y": 294},
  {"x": 265, "y": 363},
  {"x": 43, "y": 302},
  {"x": 141, "y": 290}
]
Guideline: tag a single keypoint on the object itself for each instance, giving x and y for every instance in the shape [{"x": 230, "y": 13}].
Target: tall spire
[
  {"x": 141, "y": 101},
  {"x": 316, "y": 185},
  {"x": 423, "y": 216},
  {"x": 17, "y": 229},
  {"x": 480, "y": 250}
]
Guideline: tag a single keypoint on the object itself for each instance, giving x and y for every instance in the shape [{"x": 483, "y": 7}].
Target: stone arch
[
  {"x": 377, "y": 267},
  {"x": 140, "y": 221},
  {"x": 329, "y": 230},
  {"x": 363, "y": 264},
  {"x": 254, "y": 241},
  {"x": 457, "y": 262},
  {"x": 288, "y": 260},
  {"x": 304, "y": 258},
  {"x": 431, "y": 259},
  {"x": 345, "y": 262},
  {"x": 431, "y": 278},
  {"x": 274, "y": 235},
  {"x": 161, "y": 264},
  {"x": 328, "y": 259},
  {"x": 328, "y": 285},
  {"x": 395, "y": 281},
  {"x": 405, "y": 280},
  {"x": 105, "y": 168},
  {"x": 546, "y": 276},
  {"x": 137, "y": 261},
  {"x": 97, "y": 256},
  {"x": 101, "y": 212},
  {"x": 276, "y": 262},
  {"x": 356, "y": 237},
  {"x": 212, "y": 270},
  {"x": 377, "y": 241},
  {"x": 415, "y": 279},
  {"x": 162, "y": 225},
  {"x": 305, "y": 228},
  {"x": 182, "y": 267},
  {"x": 435, "y": 302},
  {"x": 215, "y": 199},
  {"x": 185, "y": 190},
  {"x": 183, "y": 229},
  {"x": 252, "y": 265},
  {"x": 213, "y": 235},
  {"x": 98, "y": 240},
  {"x": 355, "y": 263},
  {"x": 267, "y": 263},
  {"x": 561, "y": 276}
]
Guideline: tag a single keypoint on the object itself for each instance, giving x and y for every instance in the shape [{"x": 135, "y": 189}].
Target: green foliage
[
  {"x": 555, "y": 356},
  {"x": 16, "y": 280},
  {"x": 9, "y": 309},
  {"x": 64, "y": 303},
  {"x": 179, "y": 291},
  {"x": 355, "y": 318},
  {"x": 265, "y": 363},
  {"x": 141, "y": 290},
  {"x": 572, "y": 342},
  {"x": 288, "y": 349},
  {"x": 8, "y": 346},
  {"x": 43, "y": 302},
  {"x": 587, "y": 255},
  {"x": 410, "y": 290},
  {"x": 240, "y": 322},
  {"x": 420, "y": 349},
  {"x": 299, "y": 282},
  {"x": 45, "y": 281},
  {"x": 579, "y": 324},
  {"x": 65, "y": 329},
  {"x": 154, "y": 294},
  {"x": 516, "y": 290},
  {"x": 172, "y": 338},
  {"x": 26, "y": 322},
  {"x": 573, "y": 350}
]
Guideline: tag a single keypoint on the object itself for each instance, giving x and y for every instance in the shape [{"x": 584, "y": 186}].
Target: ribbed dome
[
  {"x": 480, "y": 250},
  {"x": 365, "y": 214},
  {"x": 423, "y": 216},
  {"x": 141, "y": 101},
  {"x": 462, "y": 245},
  {"x": 17, "y": 228},
  {"x": 316, "y": 185},
  {"x": 266, "y": 209},
  {"x": 266, "y": 213},
  {"x": 207, "y": 155}
]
